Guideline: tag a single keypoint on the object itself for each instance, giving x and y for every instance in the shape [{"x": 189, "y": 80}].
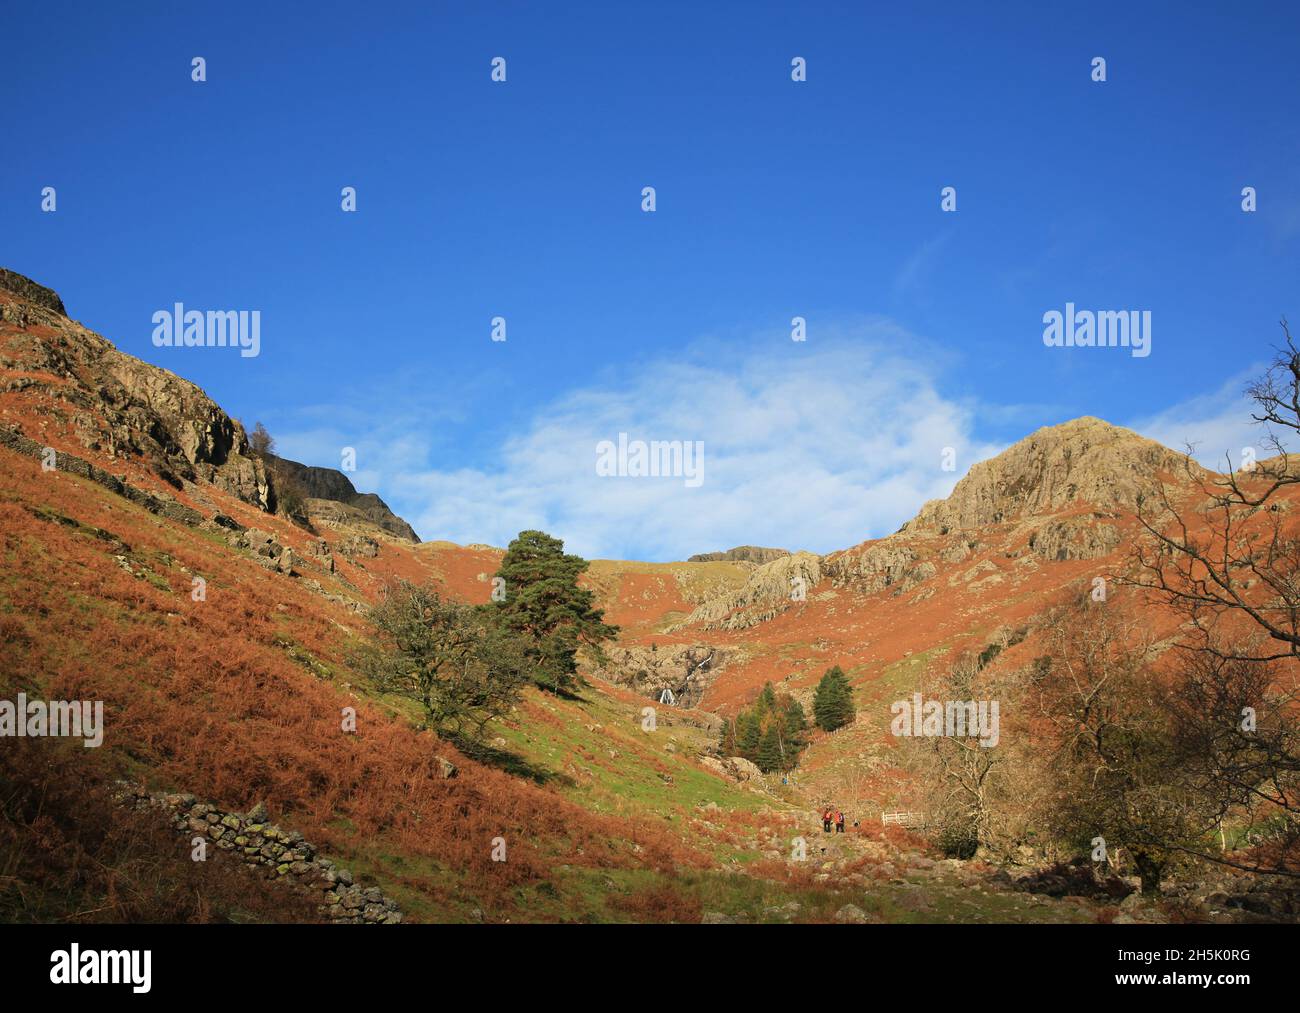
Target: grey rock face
[
  {"x": 329, "y": 484},
  {"x": 1084, "y": 460},
  {"x": 37, "y": 295},
  {"x": 768, "y": 591},
  {"x": 120, "y": 404},
  {"x": 684, "y": 670},
  {"x": 741, "y": 553}
]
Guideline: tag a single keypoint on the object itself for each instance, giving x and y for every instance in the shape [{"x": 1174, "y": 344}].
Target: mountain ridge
[
  {"x": 1082, "y": 460},
  {"x": 148, "y": 412},
  {"x": 155, "y": 492}
]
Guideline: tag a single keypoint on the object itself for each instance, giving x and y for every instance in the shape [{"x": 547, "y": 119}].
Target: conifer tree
[
  {"x": 769, "y": 751},
  {"x": 771, "y": 732},
  {"x": 796, "y": 724},
  {"x": 833, "y": 701},
  {"x": 727, "y": 741},
  {"x": 543, "y": 605},
  {"x": 747, "y": 736}
]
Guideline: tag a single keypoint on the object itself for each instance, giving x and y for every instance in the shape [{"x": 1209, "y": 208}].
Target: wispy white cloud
[
  {"x": 917, "y": 268},
  {"x": 818, "y": 445},
  {"x": 1216, "y": 424}
]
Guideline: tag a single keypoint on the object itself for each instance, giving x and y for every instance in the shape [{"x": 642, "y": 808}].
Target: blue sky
[{"x": 775, "y": 199}]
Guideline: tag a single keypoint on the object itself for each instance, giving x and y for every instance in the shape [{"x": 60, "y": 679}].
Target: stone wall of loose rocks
[{"x": 274, "y": 852}]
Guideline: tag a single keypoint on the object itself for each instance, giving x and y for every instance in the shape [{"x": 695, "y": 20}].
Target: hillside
[
  {"x": 1020, "y": 530},
  {"x": 124, "y": 490}
]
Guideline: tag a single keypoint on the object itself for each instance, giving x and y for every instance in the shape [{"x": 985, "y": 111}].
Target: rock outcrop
[
  {"x": 1057, "y": 495},
  {"x": 734, "y": 768},
  {"x": 119, "y": 404},
  {"x": 122, "y": 407},
  {"x": 769, "y": 591},
  {"x": 889, "y": 563},
  {"x": 1075, "y": 538},
  {"x": 29, "y": 291},
  {"x": 683, "y": 670},
  {"x": 740, "y": 554},
  {"x": 1082, "y": 461},
  {"x": 157, "y": 503},
  {"x": 333, "y": 486}
]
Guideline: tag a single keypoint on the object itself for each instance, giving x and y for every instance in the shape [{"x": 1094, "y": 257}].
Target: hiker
[
  {"x": 839, "y": 821},
  {"x": 826, "y": 819}
]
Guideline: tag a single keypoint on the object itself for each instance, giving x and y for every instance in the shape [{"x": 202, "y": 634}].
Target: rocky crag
[
  {"x": 675, "y": 673},
  {"x": 1057, "y": 495},
  {"x": 335, "y": 489},
  {"x": 118, "y": 404},
  {"x": 740, "y": 554},
  {"x": 159, "y": 440}
]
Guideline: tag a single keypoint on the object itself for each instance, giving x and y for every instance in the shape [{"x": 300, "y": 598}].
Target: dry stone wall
[{"x": 275, "y": 852}]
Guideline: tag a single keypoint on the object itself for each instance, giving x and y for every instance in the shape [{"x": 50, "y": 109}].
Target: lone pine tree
[{"x": 543, "y": 605}]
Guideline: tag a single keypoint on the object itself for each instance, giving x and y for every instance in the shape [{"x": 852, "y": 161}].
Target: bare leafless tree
[
  {"x": 1230, "y": 566},
  {"x": 1232, "y": 554},
  {"x": 973, "y": 793},
  {"x": 1238, "y": 739}
]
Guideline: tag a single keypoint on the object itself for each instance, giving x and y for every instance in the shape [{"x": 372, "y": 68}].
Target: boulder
[{"x": 743, "y": 769}]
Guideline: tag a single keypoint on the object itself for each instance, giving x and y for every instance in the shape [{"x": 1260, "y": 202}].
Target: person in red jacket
[
  {"x": 839, "y": 821},
  {"x": 826, "y": 819}
]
